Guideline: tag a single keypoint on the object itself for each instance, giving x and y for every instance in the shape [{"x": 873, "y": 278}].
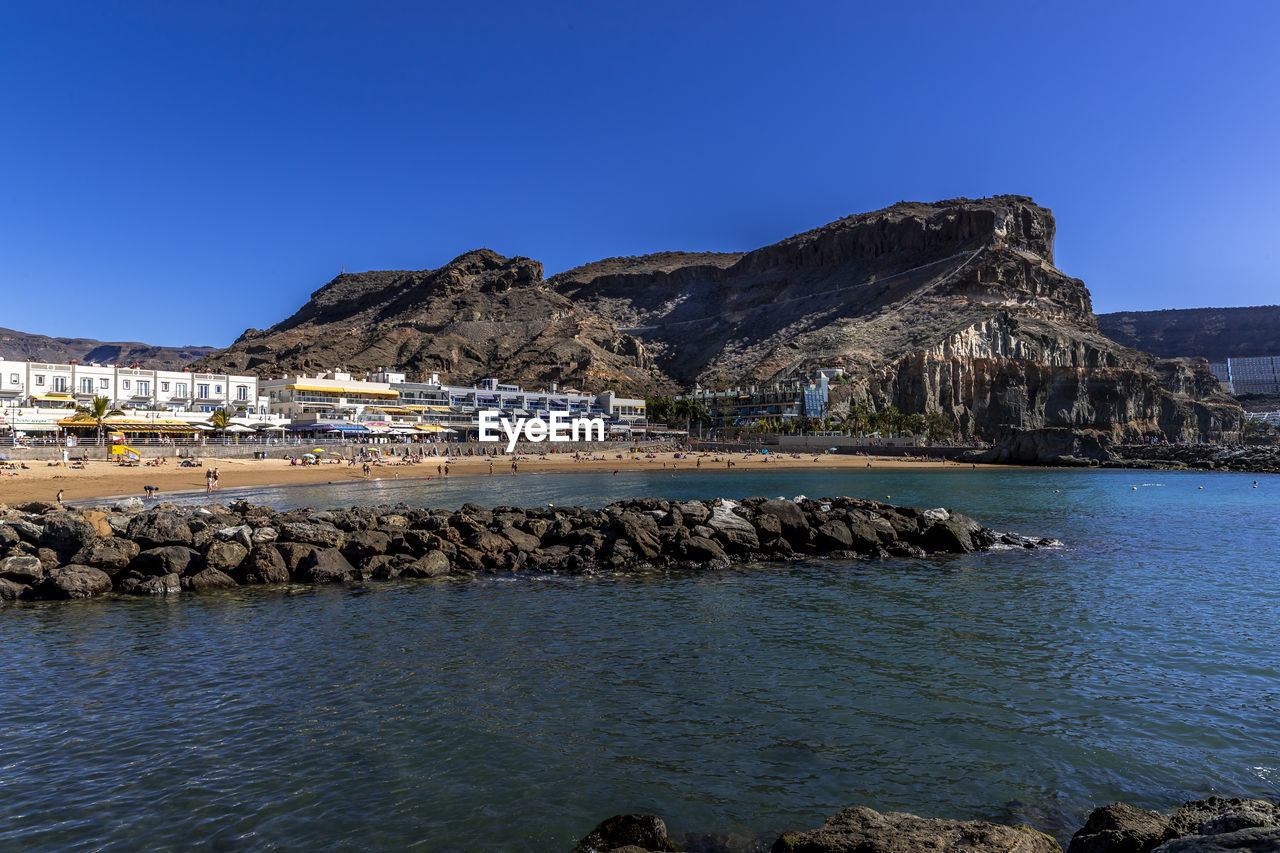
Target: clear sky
[{"x": 177, "y": 172}]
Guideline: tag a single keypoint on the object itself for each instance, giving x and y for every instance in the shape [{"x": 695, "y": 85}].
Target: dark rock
[
  {"x": 111, "y": 555},
  {"x": 264, "y": 565},
  {"x": 209, "y": 580},
  {"x": 862, "y": 830},
  {"x": 1217, "y": 815},
  {"x": 362, "y": 544},
  {"x": 323, "y": 534},
  {"x": 646, "y": 832},
  {"x": 521, "y": 540},
  {"x": 8, "y": 537},
  {"x": 1258, "y": 840},
  {"x": 27, "y": 531},
  {"x": 241, "y": 533},
  {"x": 789, "y": 516},
  {"x": 705, "y": 550},
  {"x": 693, "y": 513},
  {"x": 834, "y": 536},
  {"x": 325, "y": 565},
  {"x": 430, "y": 565},
  {"x": 1120, "y": 828},
  {"x": 158, "y": 585},
  {"x": 293, "y": 554},
  {"x": 224, "y": 555},
  {"x": 12, "y": 590},
  {"x": 640, "y": 532},
  {"x": 66, "y": 533},
  {"x": 74, "y": 581},
  {"x": 165, "y": 560},
  {"x": 157, "y": 528}
]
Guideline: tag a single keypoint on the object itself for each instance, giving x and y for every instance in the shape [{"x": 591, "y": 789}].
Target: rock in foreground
[{"x": 863, "y": 830}]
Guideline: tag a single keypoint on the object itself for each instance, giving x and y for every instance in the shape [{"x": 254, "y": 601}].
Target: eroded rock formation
[{"x": 953, "y": 307}]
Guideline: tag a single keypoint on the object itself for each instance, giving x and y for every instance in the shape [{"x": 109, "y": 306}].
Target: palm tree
[
  {"x": 97, "y": 412},
  {"x": 221, "y": 419},
  {"x": 689, "y": 411}
]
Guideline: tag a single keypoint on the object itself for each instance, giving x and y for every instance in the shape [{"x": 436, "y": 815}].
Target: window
[
  {"x": 60, "y": 384},
  {"x": 104, "y": 384},
  {"x": 242, "y": 392},
  {"x": 180, "y": 389},
  {"x": 86, "y": 386},
  {"x": 164, "y": 387},
  {"x": 217, "y": 389},
  {"x": 125, "y": 384},
  {"x": 13, "y": 378},
  {"x": 144, "y": 388},
  {"x": 39, "y": 379},
  {"x": 202, "y": 391}
]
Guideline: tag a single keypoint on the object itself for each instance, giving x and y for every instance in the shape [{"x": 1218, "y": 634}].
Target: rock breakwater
[
  {"x": 1214, "y": 825},
  {"x": 47, "y": 552}
]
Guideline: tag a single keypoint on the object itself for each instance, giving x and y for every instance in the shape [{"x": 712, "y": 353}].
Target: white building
[{"x": 67, "y": 385}]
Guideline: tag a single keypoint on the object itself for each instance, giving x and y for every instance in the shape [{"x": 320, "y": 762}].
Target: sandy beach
[{"x": 42, "y": 481}]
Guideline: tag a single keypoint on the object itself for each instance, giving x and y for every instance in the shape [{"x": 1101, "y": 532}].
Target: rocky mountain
[
  {"x": 20, "y": 346},
  {"x": 1213, "y": 333},
  {"x": 954, "y": 306}
]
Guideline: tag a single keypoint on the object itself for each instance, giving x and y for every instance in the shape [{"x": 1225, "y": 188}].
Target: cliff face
[
  {"x": 954, "y": 306},
  {"x": 1213, "y": 333}
]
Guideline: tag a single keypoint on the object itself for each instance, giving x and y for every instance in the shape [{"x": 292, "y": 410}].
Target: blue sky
[{"x": 176, "y": 172}]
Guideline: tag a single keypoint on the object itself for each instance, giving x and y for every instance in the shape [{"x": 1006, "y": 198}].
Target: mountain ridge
[{"x": 953, "y": 306}]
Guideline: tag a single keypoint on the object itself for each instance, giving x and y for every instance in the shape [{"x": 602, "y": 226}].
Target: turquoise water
[{"x": 1138, "y": 663}]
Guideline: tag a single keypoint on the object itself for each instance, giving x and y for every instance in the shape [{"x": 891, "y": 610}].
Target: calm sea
[{"x": 1140, "y": 663}]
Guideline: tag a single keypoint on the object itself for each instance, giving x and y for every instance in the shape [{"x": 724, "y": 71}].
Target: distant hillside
[
  {"x": 953, "y": 307},
  {"x": 1213, "y": 333},
  {"x": 20, "y": 346}
]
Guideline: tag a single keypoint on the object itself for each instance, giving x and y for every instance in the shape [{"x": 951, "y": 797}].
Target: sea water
[{"x": 1138, "y": 662}]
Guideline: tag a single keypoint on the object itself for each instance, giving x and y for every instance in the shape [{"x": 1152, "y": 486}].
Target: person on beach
[
  {"x": 215, "y": 477},
  {"x": 208, "y": 481},
  {"x": 59, "y": 497}
]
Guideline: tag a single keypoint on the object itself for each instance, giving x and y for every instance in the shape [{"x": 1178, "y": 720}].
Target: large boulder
[
  {"x": 863, "y": 830},
  {"x": 325, "y": 565},
  {"x": 794, "y": 525},
  {"x": 646, "y": 832},
  {"x": 111, "y": 555},
  {"x": 23, "y": 568},
  {"x": 264, "y": 565},
  {"x": 12, "y": 590},
  {"x": 158, "y": 585},
  {"x": 363, "y": 544},
  {"x": 1257, "y": 840},
  {"x": 225, "y": 555},
  {"x": 74, "y": 581},
  {"x": 1218, "y": 815},
  {"x": 66, "y": 533},
  {"x": 640, "y": 532},
  {"x": 429, "y": 565},
  {"x": 241, "y": 533},
  {"x": 157, "y": 528},
  {"x": 322, "y": 534},
  {"x": 734, "y": 530},
  {"x": 166, "y": 560},
  {"x": 1120, "y": 828},
  {"x": 208, "y": 580}
]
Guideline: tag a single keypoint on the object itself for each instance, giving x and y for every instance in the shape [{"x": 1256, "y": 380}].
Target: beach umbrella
[
  {"x": 317, "y": 450},
  {"x": 308, "y": 456}
]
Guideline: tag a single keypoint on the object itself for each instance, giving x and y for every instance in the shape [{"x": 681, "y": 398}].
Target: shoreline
[{"x": 108, "y": 481}]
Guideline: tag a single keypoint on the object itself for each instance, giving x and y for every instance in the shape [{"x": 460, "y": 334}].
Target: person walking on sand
[
  {"x": 215, "y": 477},
  {"x": 208, "y": 481},
  {"x": 59, "y": 497}
]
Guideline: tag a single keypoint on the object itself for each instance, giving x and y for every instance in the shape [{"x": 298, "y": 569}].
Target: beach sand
[{"x": 42, "y": 481}]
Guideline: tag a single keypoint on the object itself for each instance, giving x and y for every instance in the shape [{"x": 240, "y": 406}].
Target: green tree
[
  {"x": 938, "y": 426},
  {"x": 690, "y": 411},
  {"x": 860, "y": 418},
  {"x": 97, "y": 413},
  {"x": 658, "y": 410}
]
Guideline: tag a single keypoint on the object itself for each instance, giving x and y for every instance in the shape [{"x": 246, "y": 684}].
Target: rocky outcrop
[
  {"x": 1215, "y": 334},
  {"x": 954, "y": 307},
  {"x": 1215, "y": 825},
  {"x": 480, "y": 315},
  {"x": 166, "y": 549},
  {"x": 863, "y": 830},
  {"x": 1256, "y": 459},
  {"x": 1199, "y": 826}
]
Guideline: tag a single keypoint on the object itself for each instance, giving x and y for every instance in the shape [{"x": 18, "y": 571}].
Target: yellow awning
[
  {"x": 132, "y": 425},
  {"x": 53, "y": 398},
  {"x": 428, "y": 428},
  {"x": 346, "y": 392},
  {"x": 394, "y": 410},
  {"x": 444, "y": 409}
]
